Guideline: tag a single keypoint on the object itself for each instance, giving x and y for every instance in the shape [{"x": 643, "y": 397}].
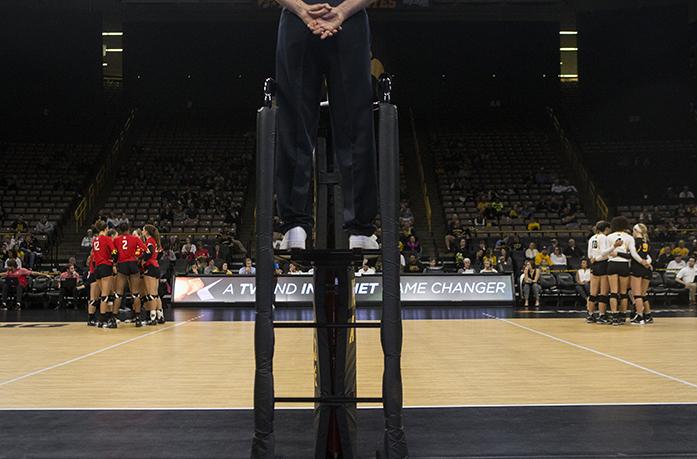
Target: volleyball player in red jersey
[
  {"x": 94, "y": 295},
  {"x": 129, "y": 249},
  {"x": 151, "y": 276},
  {"x": 103, "y": 253},
  {"x": 138, "y": 285}
]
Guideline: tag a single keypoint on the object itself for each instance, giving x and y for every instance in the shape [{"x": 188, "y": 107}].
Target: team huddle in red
[{"x": 118, "y": 259}]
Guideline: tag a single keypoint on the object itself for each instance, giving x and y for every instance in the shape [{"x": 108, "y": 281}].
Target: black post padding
[
  {"x": 395, "y": 442},
  {"x": 263, "y": 443}
]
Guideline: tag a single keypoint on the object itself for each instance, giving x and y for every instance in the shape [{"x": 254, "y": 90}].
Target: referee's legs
[
  {"x": 350, "y": 104},
  {"x": 299, "y": 79}
]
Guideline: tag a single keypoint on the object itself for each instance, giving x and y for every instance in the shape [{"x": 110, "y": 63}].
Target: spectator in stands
[
  {"x": 676, "y": 265},
  {"x": 433, "y": 267},
  {"x": 480, "y": 219},
  {"x": 225, "y": 269},
  {"x": 199, "y": 266},
  {"x": 201, "y": 251},
  {"x": 248, "y": 269},
  {"x": 16, "y": 278},
  {"x": 686, "y": 193},
  {"x": 531, "y": 278},
  {"x": 489, "y": 255},
  {"x": 686, "y": 277},
  {"x": 229, "y": 240},
  {"x": 211, "y": 268},
  {"x": 68, "y": 283},
  {"x": 20, "y": 225},
  {"x": 681, "y": 250},
  {"x": 293, "y": 269},
  {"x": 461, "y": 253},
  {"x": 407, "y": 230},
  {"x": 87, "y": 240},
  {"x": 413, "y": 265},
  {"x": 32, "y": 252},
  {"x": 663, "y": 258},
  {"x": 111, "y": 221},
  {"x": 124, "y": 219},
  {"x": 488, "y": 267},
  {"x": 572, "y": 250},
  {"x": 455, "y": 232},
  {"x": 43, "y": 226},
  {"x": 365, "y": 269},
  {"x": 505, "y": 264},
  {"x": 188, "y": 249},
  {"x": 405, "y": 213},
  {"x": 558, "y": 258},
  {"x": 466, "y": 267},
  {"x": 12, "y": 255},
  {"x": 542, "y": 260},
  {"x": 534, "y": 224},
  {"x": 531, "y": 252},
  {"x": 479, "y": 259},
  {"x": 413, "y": 245},
  {"x": 583, "y": 280}
]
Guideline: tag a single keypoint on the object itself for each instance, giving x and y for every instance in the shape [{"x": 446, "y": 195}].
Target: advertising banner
[{"x": 418, "y": 288}]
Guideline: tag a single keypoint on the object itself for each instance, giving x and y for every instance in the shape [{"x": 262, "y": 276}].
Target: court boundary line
[
  {"x": 594, "y": 351},
  {"x": 93, "y": 353},
  {"x": 375, "y": 407}
]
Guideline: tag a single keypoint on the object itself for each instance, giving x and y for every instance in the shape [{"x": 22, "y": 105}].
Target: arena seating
[
  {"x": 505, "y": 162},
  {"x": 42, "y": 180},
  {"x": 647, "y": 167},
  {"x": 173, "y": 157}
]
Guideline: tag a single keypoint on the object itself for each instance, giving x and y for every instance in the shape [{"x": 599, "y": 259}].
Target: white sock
[
  {"x": 153, "y": 315},
  {"x": 160, "y": 314}
]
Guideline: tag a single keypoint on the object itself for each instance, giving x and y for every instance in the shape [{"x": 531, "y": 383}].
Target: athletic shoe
[
  {"x": 151, "y": 322},
  {"x": 294, "y": 239},
  {"x": 637, "y": 320},
  {"x": 591, "y": 319},
  {"x": 358, "y": 241},
  {"x": 602, "y": 320},
  {"x": 648, "y": 318},
  {"x": 111, "y": 324},
  {"x": 101, "y": 324},
  {"x": 621, "y": 319},
  {"x": 161, "y": 320},
  {"x": 138, "y": 322},
  {"x": 91, "y": 323},
  {"x": 3, "y": 307}
]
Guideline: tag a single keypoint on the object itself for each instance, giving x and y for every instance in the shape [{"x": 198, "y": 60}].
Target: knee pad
[
  {"x": 135, "y": 295},
  {"x": 605, "y": 299},
  {"x": 639, "y": 297},
  {"x": 116, "y": 295},
  {"x": 111, "y": 298},
  {"x": 103, "y": 299},
  {"x": 593, "y": 298},
  {"x": 147, "y": 298},
  {"x": 154, "y": 297},
  {"x": 94, "y": 302},
  {"x": 623, "y": 296}
]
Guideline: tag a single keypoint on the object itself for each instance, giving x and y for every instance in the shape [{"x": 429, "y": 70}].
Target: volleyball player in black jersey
[{"x": 641, "y": 276}]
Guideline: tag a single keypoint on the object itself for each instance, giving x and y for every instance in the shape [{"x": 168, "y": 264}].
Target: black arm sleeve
[{"x": 151, "y": 251}]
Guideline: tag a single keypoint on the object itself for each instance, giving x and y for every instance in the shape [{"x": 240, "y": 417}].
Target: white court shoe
[
  {"x": 358, "y": 241},
  {"x": 294, "y": 239}
]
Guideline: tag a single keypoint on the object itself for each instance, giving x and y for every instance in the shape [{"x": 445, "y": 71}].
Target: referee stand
[{"x": 334, "y": 304}]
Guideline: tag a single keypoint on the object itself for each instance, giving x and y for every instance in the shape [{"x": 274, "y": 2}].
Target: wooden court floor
[{"x": 197, "y": 364}]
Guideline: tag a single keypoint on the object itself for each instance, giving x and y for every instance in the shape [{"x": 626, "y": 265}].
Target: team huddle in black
[{"x": 620, "y": 270}]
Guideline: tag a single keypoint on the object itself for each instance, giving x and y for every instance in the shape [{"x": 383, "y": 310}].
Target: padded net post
[
  {"x": 263, "y": 443},
  {"x": 395, "y": 443}
]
